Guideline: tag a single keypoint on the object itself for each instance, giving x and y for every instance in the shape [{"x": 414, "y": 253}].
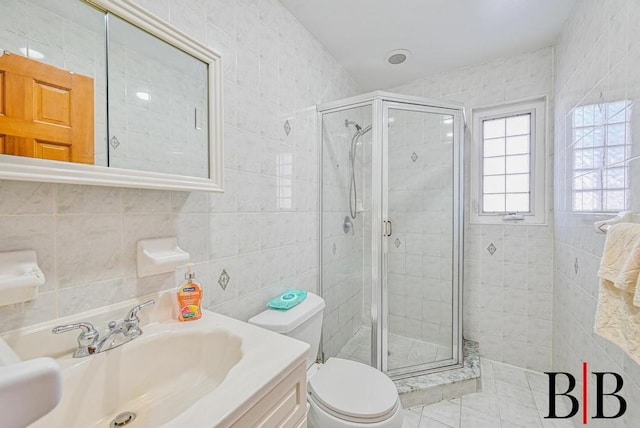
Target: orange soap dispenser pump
[{"x": 190, "y": 297}]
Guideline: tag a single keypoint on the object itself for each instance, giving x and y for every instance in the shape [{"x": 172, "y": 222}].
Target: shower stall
[{"x": 391, "y": 232}]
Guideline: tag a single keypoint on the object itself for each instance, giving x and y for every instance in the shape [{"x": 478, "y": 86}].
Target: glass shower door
[
  {"x": 420, "y": 249},
  {"x": 347, "y": 255}
]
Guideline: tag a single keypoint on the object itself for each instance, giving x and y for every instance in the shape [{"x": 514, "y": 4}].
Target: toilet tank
[{"x": 302, "y": 322}]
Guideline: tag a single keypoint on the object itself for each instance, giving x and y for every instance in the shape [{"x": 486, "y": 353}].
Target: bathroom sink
[
  {"x": 156, "y": 377},
  {"x": 204, "y": 373}
]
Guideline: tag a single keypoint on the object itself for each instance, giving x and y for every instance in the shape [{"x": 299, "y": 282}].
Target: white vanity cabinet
[{"x": 284, "y": 406}]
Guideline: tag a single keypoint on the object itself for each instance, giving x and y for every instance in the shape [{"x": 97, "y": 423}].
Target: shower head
[{"x": 348, "y": 122}]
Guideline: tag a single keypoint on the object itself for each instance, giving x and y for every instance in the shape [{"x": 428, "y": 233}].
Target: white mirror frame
[{"x": 29, "y": 169}]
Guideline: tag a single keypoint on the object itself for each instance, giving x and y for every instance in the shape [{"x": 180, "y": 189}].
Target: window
[
  {"x": 601, "y": 144},
  {"x": 508, "y": 163}
]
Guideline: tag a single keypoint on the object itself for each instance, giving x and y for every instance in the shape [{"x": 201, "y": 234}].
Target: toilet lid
[{"x": 354, "y": 390}]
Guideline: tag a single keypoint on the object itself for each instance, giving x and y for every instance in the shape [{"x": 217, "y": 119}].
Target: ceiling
[{"x": 441, "y": 34}]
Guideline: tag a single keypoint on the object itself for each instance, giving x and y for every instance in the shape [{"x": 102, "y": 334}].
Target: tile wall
[
  {"x": 262, "y": 231},
  {"x": 596, "y": 63},
  {"x": 507, "y": 294}
]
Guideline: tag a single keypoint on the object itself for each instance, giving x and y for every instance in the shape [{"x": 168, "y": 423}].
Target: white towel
[
  {"x": 621, "y": 257},
  {"x": 617, "y": 318}
]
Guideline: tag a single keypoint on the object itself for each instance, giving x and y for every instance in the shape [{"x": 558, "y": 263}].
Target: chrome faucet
[
  {"x": 120, "y": 332},
  {"x": 87, "y": 339}
]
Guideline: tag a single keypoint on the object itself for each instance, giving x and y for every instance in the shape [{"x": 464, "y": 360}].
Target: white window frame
[{"x": 537, "y": 107}]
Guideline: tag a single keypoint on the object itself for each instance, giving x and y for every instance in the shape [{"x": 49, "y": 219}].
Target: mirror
[{"x": 105, "y": 93}]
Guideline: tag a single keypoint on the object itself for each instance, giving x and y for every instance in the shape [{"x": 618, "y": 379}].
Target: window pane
[
  {"x": 578, "y": 135},
  {"x": 577, "y": 185},
  {"x": 588, "y": 115},
  {"x": 598, "y": 136},
  {"x": 599, "y": 115},
  {"x": 591, "y": 180},
  {"x": 493, "y": 203},
  {"x": 494, "y": 184},
  {"x": 591, "y": 201},
  {"x": 518, "y": 183},
  {"x": 615, "y": 178},
  {"x": 592, "y": 158},
  {"x": 615, "y": 154},
  {"x": 577, "y": 159},
  {"x": 619, "y": 117},
  {"x": 598, "y": 157},
  {"x": 493, "y": 128},
  {"x": 587, "y": 159},
  {"x": 518, "y": 145},
  {"x": 494, "y": 147},
  {"x": 586, "y": 141},
  {"x": 614, "y": 200},
  {"x": 578, "y": 117},
  {"x": 493, "y": 166},
  {"x": 615, "y": 134},
  {"x": 518, "y": 202},
  {"x": 614, "y": 108},
  {"x": 518, "y": 125},
  {"x": 517, "y": 164}
]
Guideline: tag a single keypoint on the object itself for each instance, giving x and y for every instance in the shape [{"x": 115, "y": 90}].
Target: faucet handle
[
  {"x": 133, "y": 313},
  {"x": 87, "y": 338},
  {"x": 131, "y": 323},
  {"x": 86, "y": 328}
]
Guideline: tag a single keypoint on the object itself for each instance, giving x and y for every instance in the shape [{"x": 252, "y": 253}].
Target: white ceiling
[{"x": 441, "y": 34}]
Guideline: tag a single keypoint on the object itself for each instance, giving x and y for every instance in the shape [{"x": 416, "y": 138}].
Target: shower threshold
[{"x": 444, "y": 385}]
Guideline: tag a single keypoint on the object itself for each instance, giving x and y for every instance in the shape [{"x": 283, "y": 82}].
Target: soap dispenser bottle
[{"x": 190, "y": 297}]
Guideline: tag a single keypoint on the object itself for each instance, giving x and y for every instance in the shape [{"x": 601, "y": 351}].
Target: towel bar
[{"x": 621, "y": 217}]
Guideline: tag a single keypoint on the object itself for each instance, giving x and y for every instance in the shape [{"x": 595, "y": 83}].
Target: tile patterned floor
[
  {"x": 404, "y": 351},
  {"x": 511, "y": 398}
]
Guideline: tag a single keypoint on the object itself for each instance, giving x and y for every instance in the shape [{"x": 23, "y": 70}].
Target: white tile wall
[
  {"x": 85, "y": 236},
  {"x": 507, "y": 295},
  {"x": 596, "y": 61}
]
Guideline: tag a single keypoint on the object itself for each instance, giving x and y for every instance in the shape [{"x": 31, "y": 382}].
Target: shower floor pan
[{"x": 404, "y": 351}]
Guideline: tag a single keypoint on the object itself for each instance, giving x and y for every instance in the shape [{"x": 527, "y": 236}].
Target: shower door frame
[
  {"x": 381, "y": 102},
  {"x": 457, "y": 357}
]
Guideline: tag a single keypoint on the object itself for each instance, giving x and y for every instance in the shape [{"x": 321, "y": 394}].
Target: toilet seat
[{"x": 353, "y": 392}]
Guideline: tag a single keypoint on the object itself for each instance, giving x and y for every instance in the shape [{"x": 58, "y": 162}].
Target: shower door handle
[{"x": 388, "y": 228}]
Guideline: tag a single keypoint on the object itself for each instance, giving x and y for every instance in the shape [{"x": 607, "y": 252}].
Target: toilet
[{"x": 341, "y": 393}]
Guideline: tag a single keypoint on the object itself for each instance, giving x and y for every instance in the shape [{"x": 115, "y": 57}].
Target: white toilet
[{"x": 342, "y": 393}]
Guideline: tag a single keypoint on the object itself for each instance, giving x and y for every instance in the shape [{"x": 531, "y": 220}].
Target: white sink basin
[
  {"x": 156, "y": 376},
  {"x": 199, "y": 373}
]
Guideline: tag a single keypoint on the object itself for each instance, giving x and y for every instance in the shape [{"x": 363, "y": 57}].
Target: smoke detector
[{"x": 397, "y": 56}]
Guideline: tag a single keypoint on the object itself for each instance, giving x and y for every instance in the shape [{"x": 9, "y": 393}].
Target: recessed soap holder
[
  {"x": 20, "y": 277},
  {"x": 161, "y": 255}
]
